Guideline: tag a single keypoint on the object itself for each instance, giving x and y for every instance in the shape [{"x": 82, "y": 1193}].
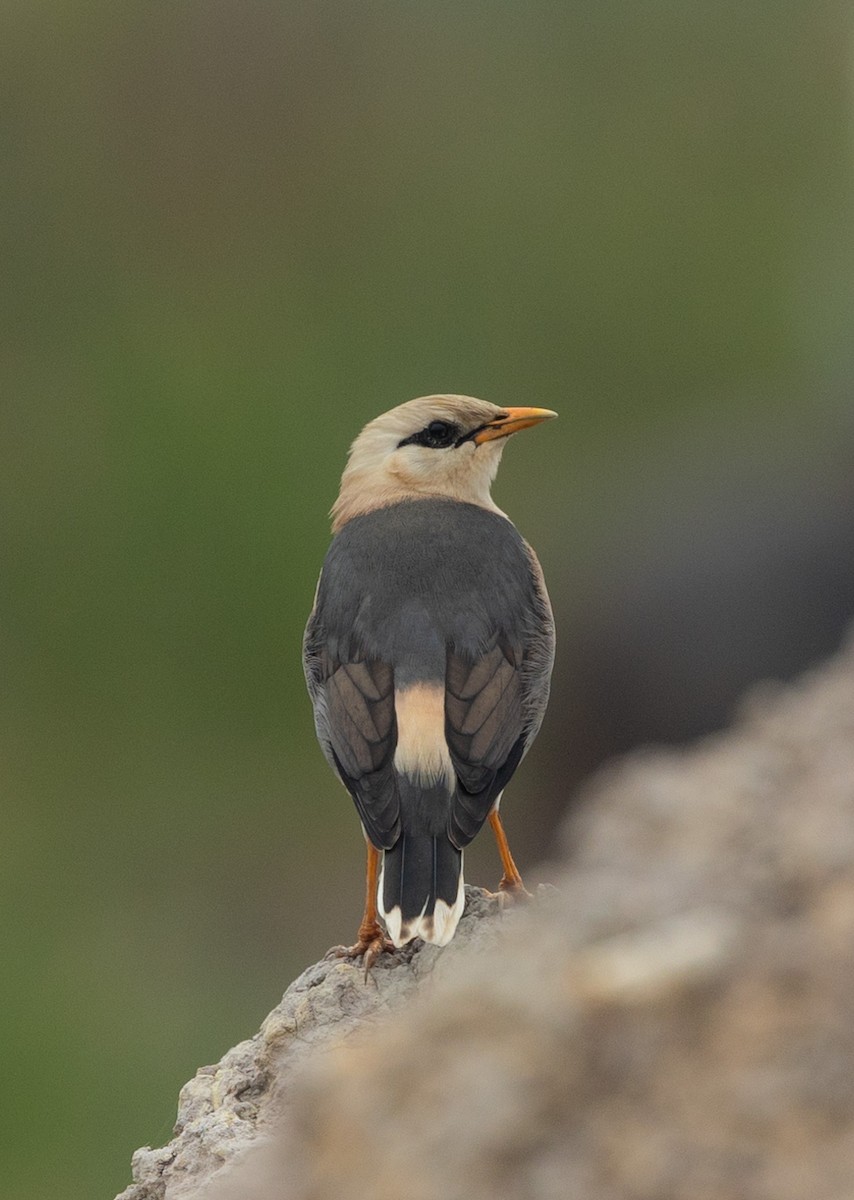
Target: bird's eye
[{"x": 438, "y": 435}]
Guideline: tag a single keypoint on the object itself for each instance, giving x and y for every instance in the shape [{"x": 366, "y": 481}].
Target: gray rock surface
[
  {"x": 225, "y": 1109},
  {"x": 675, "y": 1021}
]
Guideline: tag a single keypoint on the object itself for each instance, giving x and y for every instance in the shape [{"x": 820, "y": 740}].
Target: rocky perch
[{"x": 673, "y": 1020}]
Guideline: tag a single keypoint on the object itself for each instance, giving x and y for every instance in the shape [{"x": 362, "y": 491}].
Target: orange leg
[
  {"x": 511, "y": 881},
  {"x": 371, "y": 940},
  {"x": 369, "y": 928}
]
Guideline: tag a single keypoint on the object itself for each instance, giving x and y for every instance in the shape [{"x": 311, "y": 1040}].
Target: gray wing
[
  {"x": 494, "y": 706},
  {"x": 355, "y": 722}
]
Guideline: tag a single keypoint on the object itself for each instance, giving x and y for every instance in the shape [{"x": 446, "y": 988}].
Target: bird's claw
[
  {"x": 379, "y": 945},
  {"x": 511, "y": 892},
  {"x": 369, "y": 946}
]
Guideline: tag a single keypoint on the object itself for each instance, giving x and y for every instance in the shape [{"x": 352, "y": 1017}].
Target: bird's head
[{"x": 445, "y": 445}]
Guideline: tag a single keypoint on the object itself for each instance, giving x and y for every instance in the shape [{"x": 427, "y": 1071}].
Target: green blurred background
[{"x": 232, "y": 234}]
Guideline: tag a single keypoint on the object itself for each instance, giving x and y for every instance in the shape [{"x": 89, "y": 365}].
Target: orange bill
[{"x": 512, "y": 420}]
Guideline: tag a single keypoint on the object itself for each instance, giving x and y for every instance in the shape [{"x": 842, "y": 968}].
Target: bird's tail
[{"x": 421, "y": 890}]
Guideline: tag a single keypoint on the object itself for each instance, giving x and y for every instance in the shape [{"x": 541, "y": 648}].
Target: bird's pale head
[{"x": 445, "y": 445}]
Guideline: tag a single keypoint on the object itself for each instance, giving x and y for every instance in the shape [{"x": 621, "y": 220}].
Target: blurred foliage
[{"x": 234, "y": 233}]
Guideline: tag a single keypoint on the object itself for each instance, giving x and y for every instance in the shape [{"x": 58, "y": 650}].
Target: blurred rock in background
[{"x": 674, "y": 1021}]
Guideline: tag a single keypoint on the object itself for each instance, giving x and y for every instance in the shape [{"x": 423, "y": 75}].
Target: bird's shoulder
[
  {"x": 424, "y": 524},
  {"x": 429, "y": 570},
  {"x": 417, "y": 544}
]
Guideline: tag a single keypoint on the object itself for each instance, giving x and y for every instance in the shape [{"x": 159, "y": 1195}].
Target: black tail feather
[{"x": 417, "y": 871}]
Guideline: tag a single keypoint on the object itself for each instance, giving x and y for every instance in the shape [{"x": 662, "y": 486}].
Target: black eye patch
[{"x": 438, "y": 435}]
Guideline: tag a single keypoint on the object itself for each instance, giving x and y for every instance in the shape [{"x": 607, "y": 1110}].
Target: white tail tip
[{"x": 437, "y": 927}]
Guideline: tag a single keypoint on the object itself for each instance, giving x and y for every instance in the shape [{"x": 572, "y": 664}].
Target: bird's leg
[
  {"x": 371, "y": 941},
  {"x": 511, "y": 886}
]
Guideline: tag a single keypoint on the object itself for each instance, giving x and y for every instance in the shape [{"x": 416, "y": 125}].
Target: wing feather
[
  {"x": 494, "y": 705},
  {"x": 356, "y": 726}
]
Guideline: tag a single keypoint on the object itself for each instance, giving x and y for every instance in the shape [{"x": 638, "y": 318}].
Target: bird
[{"x": 428, "y": 656}]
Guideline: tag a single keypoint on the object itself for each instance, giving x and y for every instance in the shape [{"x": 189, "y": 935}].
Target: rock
[
  {"x": 223, "y": 1110},
  {"x": 674, "y": 1022}
]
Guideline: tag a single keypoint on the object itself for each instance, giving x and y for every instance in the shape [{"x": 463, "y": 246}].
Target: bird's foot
[
  {"x": 510, "y": 892},
  {"x": 371, "y": 943}
]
